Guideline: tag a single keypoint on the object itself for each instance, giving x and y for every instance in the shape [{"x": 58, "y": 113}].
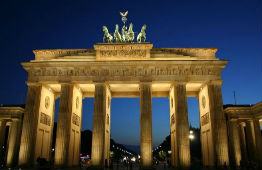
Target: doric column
[
  {"x": 68, "y": 126},
  {"x": 242, "y": 137},
  {"x": 251, "y": 141},
  {"x": 146, "y": 125},
  {"x": 234, "y": 143},
  {"x": 213, "y": 125},
  {"x": 29, "y": 130},
  {"x": 101, "y": 126},
  {"x": 13, "y": 143},
  {"x": 258, "y": 141},
  {"x": 37, "y": 125},
  {"x": 179, "y": 127},
  {"x": 2, "y": 136}
]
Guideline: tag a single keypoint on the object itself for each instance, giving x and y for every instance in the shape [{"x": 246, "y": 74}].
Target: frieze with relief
[{"x": 124, "y": 71}]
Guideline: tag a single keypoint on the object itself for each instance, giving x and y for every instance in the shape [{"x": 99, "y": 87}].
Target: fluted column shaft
[
  {"x": 218, "y": 124},
  {"x": 258, "y": 142},
  {"x": 13, "y": 143},
  {"x": 146, "y": 125},
  {"x": 101, "y": 126},
  {"x": 243, "y": 146},
  {"x": 251, "y": 141},
  {"x": 68, "y": 127},
  {"x": 29, "y": 130},
  {"x": 234, "y": 139},
  {"x": 2, "y": 136},
  {"x": 180, "y": 144}
]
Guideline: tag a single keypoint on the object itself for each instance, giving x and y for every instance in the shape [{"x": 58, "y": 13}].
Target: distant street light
[{"x": 191, "y": 135}]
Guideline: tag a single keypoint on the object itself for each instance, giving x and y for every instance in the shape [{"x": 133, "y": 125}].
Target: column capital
[
  {"x": 15, "y": 120},
  {"x": 233, "y": 119},
  {"x": 241, "y": 123},
  {"x": 215, "y": 82},
  {"x": 33, "y": 84},
  {"x": 145, "y": 82},
  {"x": 174, "y": 83}
]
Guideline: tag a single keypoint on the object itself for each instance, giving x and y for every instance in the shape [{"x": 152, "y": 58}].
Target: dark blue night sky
[{"x": 233, "y": 26}]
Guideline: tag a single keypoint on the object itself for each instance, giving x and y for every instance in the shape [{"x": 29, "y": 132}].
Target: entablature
[
  {"x": 243, "y": 113},
  {"x": 125, "y": 51},
  {"x": 125, "y": 71}
]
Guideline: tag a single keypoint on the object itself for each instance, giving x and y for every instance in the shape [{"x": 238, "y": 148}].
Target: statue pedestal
[{"x": 123, "y": 51}]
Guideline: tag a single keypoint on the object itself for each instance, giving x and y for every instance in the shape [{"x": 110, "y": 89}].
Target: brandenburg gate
[{"x": 122, "y": 70}]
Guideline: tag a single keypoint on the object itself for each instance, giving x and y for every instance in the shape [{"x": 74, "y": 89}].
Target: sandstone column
[
  {"x": 258, "y": 142},
  {"x": 13, "y": 143},
  {"x": 243, "y": 145},
  {"x": 219, "y": 127},
  {"x": 180, "y": 144},
  {"x": 2, "y": 136},
  {"x": 29, "y": 130},
  {"x": 68, "y": 126},
  {"x": 37, "y": 125},
  {"x": 146, "y": 125},
  {"x": 234, "y": 141},
  {"x": 101, "y": 126},
  {"x": 214, "y": 137},
  {"x": 251, "y": 141}
]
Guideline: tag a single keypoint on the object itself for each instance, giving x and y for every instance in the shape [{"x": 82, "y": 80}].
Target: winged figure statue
[{"x": 124, "y": 14}]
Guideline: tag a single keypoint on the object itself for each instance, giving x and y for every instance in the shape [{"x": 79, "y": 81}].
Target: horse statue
[
  {"x": 142, "y": 35},
  {"x": 117, "y": 36},
  {"x": 124, "y": 34},
  {"x": 107, "y": 36},
  {"x": 130, "y": 33}
]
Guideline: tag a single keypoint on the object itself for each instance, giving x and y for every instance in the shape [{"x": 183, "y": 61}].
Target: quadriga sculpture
[
  {"x": 130, "y": 33},
  {"x": 124, "y": 34},
  {"x": 142, "y": 35},
  {"x": 107, "y": 36},
  {"x": 117, "y": 35}
]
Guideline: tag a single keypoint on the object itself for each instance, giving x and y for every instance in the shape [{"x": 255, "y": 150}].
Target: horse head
[
  {"x": 105, "y": 29},
  {"x": 117, "y": 27},
  {"x": 130, "y": 27},
  {"x": 143, "y": 28}
]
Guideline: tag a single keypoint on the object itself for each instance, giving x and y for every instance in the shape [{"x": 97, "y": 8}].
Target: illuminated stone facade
[
  {"x": 122, "y": 70},
  {"x": 245, "y": 140},
  {"x": 11, "y": 116}
]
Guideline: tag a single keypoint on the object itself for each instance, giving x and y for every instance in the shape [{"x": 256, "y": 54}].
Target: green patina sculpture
[
  {"x": 127, "y": 35},
  {"x": 142, "y": 35},
  {"x": 117, "y": 35},
  {"x": 130, "y": 33},
  {"x": 107, "y": 36}
]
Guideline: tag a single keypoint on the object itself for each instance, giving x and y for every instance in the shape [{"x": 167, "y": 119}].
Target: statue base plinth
[{"x": 123, "y": 51}]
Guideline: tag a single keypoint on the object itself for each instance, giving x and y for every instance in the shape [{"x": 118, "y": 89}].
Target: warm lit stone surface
[
  {"x": 68, "y": 127},
  {"x": 37, "y": 125},
  {"x": 13, "y": 143},
  {"x": 214, "y": 136},
  {"x": 101, "y": 125},
  {"x": 243, "y": 144},
  {"x": 2, "y": 135},
  {"x": 146, "y": 125},
  {"x": 180, "y": 145},
  {"x": 218, "y": 125},
  {"x": 258, "y": 141},
  {"x": 234, "y": 141},
  {"x": 249, "y": 118},
  {"x": 29, "y": 130},
  {"x": 134, "y": 70},
  {"x": 251, "y": 142}
]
